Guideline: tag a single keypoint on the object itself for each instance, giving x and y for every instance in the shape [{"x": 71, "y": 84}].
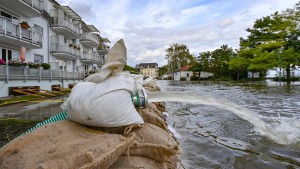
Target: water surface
[{"x": 212, "y": 137}]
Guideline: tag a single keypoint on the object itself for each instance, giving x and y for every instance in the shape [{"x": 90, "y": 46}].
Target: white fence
[{"x": 9, "y": 73}]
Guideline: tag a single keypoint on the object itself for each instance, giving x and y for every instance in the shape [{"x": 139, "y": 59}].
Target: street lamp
[{"x": 280, "y": 63}]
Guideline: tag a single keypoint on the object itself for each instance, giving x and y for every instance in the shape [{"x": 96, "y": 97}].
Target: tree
[
  {"x": 130, "y": 69},
  {"x": 221, "y": 58},
  {"x": 238, "y": 65},
  {"x": 162, "y": 70},
  {"x": 178, "y": 55},
  {"x": 216, "y": 61},
  {"x": 268, "y": 36}
]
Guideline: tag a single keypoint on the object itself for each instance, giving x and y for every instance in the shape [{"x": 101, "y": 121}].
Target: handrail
[
  {"x": 10, "y": 73},
  {"x": 9, "y": 28},
  {"x": 63, "y": 48},
  {"x": 36, "y": 4},
  {"x": 62, "y": 22},
  {"x": 89, "y": 36}
]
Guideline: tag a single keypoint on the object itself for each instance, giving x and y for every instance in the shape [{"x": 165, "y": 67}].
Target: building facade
[
  {"x": 148, "y": 69},
  {"x": 43, "y": 31}
]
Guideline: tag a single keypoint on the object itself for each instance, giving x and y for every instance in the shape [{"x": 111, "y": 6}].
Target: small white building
[
  {"x": 276, "y": 72},
  {"x": 183, "y": 73},
  {"x": 168, "y": 75},
  {"x": 252, "y": 74}
]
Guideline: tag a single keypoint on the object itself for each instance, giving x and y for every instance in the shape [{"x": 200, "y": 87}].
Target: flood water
[
  {"x": 212, "y": 137},
  {"x": 33, "y": 110}
]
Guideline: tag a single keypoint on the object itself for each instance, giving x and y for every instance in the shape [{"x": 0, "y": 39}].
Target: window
[
  {"x": 8, "y": 15},
  {"x": 187, "y": 75},
  {"x": 38, "y": 59},
  {"x": 6, "y": 54}
]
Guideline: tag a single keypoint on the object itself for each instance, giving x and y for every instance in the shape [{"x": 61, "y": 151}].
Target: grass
[
  {"x": 24, "y": 98},
  {"x": 11, "y": 128}
]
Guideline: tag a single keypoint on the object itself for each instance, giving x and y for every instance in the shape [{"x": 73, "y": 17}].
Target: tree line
[{"x": 273, "y": 42}]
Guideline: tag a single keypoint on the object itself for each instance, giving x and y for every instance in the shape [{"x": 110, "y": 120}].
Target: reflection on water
[
  {"x": 36, "y": 110},
  {"x": 212, "y": 137}
]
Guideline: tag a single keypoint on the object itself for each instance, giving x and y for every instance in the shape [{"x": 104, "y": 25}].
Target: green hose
[{"x": 58, "y": 117}]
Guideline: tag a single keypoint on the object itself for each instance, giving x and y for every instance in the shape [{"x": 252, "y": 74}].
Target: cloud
[
  {"x": 150, "y": 27},
  {"x": 194, "y": 10},
  {"x": 83, "y": 10},
  {"x": 226, "y": 22}
]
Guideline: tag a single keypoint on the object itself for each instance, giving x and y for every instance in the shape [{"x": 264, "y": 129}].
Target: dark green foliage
[
  {"x": 162, "y": 70},
  {"x": 194, "y": 78},
  {"x": 46, "y": 66},
  {"x": 182, "y": 79},
  {"x": 130, "y": 69}
]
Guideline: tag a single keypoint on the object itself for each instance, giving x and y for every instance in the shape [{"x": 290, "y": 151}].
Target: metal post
[
  {"x": 25, "y": 74},
  {"x": 50, "y": 75},
  {"x": 280, "y": 63},
  {"x": 7, "y": 73},
  {"x": 40, "y": 75}
]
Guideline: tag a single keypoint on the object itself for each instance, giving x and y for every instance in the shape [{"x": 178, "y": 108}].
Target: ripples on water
[{"x": 212, "y": 137}]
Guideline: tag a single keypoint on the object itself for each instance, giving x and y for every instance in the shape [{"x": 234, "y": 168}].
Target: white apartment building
[
  {"x": 56, "y": 35},
  {"x": 148, "y": 69}
]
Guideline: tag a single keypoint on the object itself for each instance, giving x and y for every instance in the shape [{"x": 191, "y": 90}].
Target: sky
[{"x": 149, "y": 27}]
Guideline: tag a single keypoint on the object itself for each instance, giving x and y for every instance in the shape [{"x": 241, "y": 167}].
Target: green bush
[
  {"x": 46, "y": 66},
  {"x": 182, "y": 79},
  {"x": 194, "y": 78}
]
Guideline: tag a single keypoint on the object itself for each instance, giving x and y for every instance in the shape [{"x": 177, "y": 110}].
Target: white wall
[
  {"x": 44, "y": 85},
  {"x": 184, "y": 74}
]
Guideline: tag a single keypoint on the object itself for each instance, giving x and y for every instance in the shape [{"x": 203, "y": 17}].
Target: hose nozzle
[{"x": 140, "y": 98}]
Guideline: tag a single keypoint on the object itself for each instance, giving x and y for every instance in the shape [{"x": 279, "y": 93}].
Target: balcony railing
[
  {"x": 15, "y": 31},
  {"x": 36, "y": 4},
  {"x": 86, "y": 56},
  {"x": 10, "y": 73},
  {"x": 103, "y": 47},
  {"x": 64, "y": 51},
  {"x": 61, "y": 22},
  {"x": 89, "y": 39},
  {"x": 91, "y": 58},
  {"x": 28, "y": 8}
]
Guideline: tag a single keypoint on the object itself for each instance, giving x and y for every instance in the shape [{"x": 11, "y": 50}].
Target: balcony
[
  {"x": 64, "y": 27},
  {"x": 90, "y": 40},
  {"x": 100, "y": 62},
  {"x": 9, "y": 73},
  {"x": 103, "y": 49},
  {"x": 29, "y": 8},
  {"x": 89, "y": 58},
  {"x": 14, "y": 35},
  {"x": 63, "y": 51}
]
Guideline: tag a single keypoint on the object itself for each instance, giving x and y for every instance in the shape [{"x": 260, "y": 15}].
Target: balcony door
[
  {"x": 86, "y": 69},
  {"x": 6, "y": 55}
]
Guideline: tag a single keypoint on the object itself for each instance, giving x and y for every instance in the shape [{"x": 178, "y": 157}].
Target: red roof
[{"x": 185, "y": 68}]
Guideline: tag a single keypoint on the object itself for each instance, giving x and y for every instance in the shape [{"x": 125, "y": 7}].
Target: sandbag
[
  {"x": 115, "y": 62},
  {"x": 126, "y": 162},
  {"x": 153, "y": 108},
  {"x": 153, "y": 142},
  {"x": 107, "y": 104},
  {"x": 160, "y": 106},
  {"x": 152, "y": 118},
  {"x": 63, "y": 144}
]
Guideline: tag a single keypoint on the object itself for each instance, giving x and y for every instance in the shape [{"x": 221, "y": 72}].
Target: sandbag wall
[{"x": 69, "y": 145}]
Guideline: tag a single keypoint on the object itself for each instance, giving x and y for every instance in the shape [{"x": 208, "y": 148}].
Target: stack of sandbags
[
  {"x": 154, "y": 145},
  {"x": 67, "y": 144},
  {"x": 63, "y": 144}
]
